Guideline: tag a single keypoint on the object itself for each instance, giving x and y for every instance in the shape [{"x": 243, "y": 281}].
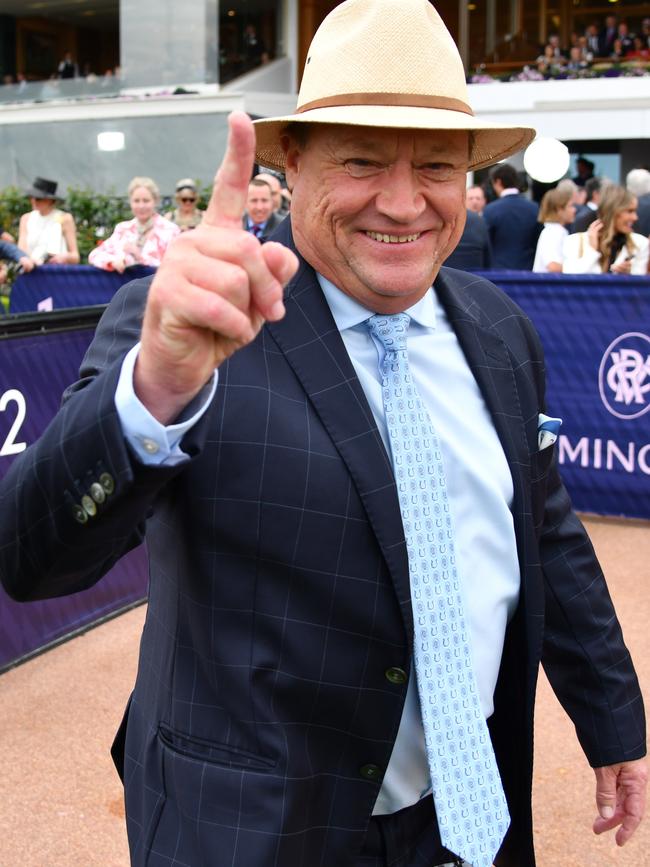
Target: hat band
[{"x": 411, "y": 100}]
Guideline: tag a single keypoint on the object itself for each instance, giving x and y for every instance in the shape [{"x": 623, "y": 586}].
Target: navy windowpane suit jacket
[{"x": 279, "y": 591}]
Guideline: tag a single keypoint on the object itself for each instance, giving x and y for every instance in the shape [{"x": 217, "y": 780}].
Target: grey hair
[{"x": 638, "y": 182}]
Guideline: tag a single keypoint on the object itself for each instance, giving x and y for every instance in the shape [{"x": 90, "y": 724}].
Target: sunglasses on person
[{"x": 187, "y": 199}]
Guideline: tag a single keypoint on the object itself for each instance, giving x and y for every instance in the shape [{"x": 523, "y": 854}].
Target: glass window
[{"x": 248, "y": 35}]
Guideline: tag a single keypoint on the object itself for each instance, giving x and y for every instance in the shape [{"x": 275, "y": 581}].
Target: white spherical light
[{"x": 546, "y": 160}]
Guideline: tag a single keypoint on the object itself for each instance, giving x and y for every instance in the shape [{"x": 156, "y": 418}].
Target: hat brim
[
  {"x": 33, "y": 193},
  {"x": 491, "y": 142}
]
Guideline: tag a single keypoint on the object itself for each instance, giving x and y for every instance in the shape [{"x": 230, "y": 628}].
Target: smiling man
[{"x": 360, "y": 547}]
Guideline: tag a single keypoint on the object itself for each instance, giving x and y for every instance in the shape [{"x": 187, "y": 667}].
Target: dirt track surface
[{"x": 62, "y": 801}]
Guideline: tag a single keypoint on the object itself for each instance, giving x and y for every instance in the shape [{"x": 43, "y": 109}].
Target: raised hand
[
  {"x": 214, "y": 290},
  {"x": 593, "y": 233}
]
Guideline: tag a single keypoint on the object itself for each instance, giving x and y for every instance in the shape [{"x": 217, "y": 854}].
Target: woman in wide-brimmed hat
[{"x": 47, "y": 233}]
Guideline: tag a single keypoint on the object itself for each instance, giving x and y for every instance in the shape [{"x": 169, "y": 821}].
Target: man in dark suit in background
[
  {"x": 588, "y": 212},
  {"x": 305, "y": 521},
  {"x": 260, "y": 219},
  {"x": 512, "y": 222},
  {"x": 473, "y": 252}
]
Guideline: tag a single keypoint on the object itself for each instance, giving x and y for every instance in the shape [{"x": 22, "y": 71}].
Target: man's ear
[{"x": 292, "y": 159}]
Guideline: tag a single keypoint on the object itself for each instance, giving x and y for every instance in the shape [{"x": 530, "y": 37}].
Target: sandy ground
[{"x": 61, "y": 799}]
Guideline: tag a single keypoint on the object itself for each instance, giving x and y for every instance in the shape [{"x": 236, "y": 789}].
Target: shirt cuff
[{"x": 153, "y": 443}]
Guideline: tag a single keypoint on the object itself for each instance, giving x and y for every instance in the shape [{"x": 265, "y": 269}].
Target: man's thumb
[{"x": 606, "y": 792}]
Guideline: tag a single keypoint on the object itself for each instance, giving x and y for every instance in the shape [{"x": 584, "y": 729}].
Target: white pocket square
[{"x": 547, "y": 430}]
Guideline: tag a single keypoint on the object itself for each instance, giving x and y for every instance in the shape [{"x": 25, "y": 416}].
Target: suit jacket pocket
[
  {"x": 540, "y": 463},
  {"x": 214, "y": 753}
]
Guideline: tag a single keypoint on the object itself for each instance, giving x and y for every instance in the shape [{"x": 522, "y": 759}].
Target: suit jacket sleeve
[{"x": 44, "y": 550}]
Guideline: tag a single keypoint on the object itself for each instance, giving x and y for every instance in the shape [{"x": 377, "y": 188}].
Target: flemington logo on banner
[
  {"x": 621, "y": 447},
  {"x": 595, "y": 330},
  {"x": 624, "y": 376}
]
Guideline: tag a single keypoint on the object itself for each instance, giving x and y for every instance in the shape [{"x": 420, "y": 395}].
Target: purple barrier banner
[
  {"x": 595, "y": 330},
  {"x": 35, "y": 368},
  {"x": 51, "y": 287}
]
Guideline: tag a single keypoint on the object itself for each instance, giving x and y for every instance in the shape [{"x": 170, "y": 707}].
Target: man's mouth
[{"x": 393, "y": 239}]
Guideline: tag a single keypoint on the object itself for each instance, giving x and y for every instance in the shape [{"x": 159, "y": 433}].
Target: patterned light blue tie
[{"x": 470, "y": 804}]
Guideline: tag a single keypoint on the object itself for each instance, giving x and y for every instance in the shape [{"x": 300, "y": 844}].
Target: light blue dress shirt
[{"x": 479, "y": 486}]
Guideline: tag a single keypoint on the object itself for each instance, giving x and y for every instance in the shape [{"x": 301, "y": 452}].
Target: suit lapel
[
  {"x": 492, "y": 367},
  {"x": 312, "y": 345}
]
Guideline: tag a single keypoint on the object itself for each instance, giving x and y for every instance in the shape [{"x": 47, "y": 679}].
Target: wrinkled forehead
[{"x": 386, "y": 142}]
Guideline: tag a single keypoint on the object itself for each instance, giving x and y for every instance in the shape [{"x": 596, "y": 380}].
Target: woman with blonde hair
[
  {"x": 556, "y": 212},
  {"x": 140, "y": 241},
  {"x": 609, "y": 244}
]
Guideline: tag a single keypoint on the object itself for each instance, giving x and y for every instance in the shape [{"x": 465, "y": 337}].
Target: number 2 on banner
[{"x": 10, "y": 446}]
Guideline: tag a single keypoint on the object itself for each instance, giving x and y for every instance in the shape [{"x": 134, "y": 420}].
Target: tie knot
[{"x": 390, "y": 330}]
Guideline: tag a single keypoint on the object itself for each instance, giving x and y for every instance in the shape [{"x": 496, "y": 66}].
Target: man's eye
[
  {"x": 360, "y": 168},
  {"x": 437, "y": 171}
]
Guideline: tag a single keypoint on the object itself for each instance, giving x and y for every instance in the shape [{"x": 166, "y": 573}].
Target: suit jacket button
[
  {"x": 97, "y": 492},
  {"x": 396, "y": 675},
  {"x": 89, "y": 506},
  {"x": 79, "y": 514},
  {"x": 107, "y": 482},
  {"x": 371, "y": 772}
]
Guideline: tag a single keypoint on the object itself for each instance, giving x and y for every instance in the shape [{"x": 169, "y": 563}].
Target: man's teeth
[{"x": 392, "y": 239}]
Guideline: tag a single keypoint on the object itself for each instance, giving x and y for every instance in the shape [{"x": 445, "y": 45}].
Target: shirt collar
[
  {"x": 252, "y": 223},
  {"x": 509, "y": 191},
  {"x": 348, "y": 313}
]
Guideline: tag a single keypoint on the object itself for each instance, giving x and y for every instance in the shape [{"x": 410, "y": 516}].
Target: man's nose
[{"x": 401, "y": 196}]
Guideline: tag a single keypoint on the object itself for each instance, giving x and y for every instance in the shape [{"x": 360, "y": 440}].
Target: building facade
[{"x": 162, "y": 77}]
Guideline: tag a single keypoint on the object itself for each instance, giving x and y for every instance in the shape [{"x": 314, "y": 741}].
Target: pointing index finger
[{"x": 230, "y": 191}]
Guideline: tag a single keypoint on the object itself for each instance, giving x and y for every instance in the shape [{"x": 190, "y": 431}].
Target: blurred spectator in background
[
  {"x": 186, "y": 214},
  {"x": 609, "y": 244},
  {"x": 645, "y": 32},
  {"x": 607, "y": 36},
  {"x": 279, "y": 203},
  {"x": 577, "y": 59},
  {"x": 286, "y": 202},
  {"x": 473, "y": 252},
  {"x": 260, "y": 219},
  {"x": 549, "y": 61},
  {"x": 587, "y": 213},
  {"x": 15, "y": 254},
  {"x": 46, "y": 233},
  {"x": 556, "y": 212},
  {"x": 475, "y": 199},
  {"x": 67, "y": 68},
  {"x": 254, "y": 52},
  {"x": 591, "y": 37},
  {"x": 584, "y": 171},
  {"x": 512, "y": 222},
  {"x": 625, "y": 38},
  {"x": 638, "y": 184},
  {"x": 140, "y": 241},
  {"x": 640, "y": 50}
]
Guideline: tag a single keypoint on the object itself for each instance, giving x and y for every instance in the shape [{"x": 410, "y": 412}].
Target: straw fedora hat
[{"x": 388, "y": 63}]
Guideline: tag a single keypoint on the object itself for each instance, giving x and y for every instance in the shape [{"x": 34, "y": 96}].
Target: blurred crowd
[
  {"x": 47, "y": 234},
  {"x": 607, "y": 41},
  {"x": 584, "y": 225}
]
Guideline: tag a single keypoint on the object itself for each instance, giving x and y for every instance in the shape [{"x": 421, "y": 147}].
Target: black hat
[{"x": 43, "y": 189}]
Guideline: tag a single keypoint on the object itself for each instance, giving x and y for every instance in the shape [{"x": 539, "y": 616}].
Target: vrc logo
[{"x": 624, "y": 376}]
